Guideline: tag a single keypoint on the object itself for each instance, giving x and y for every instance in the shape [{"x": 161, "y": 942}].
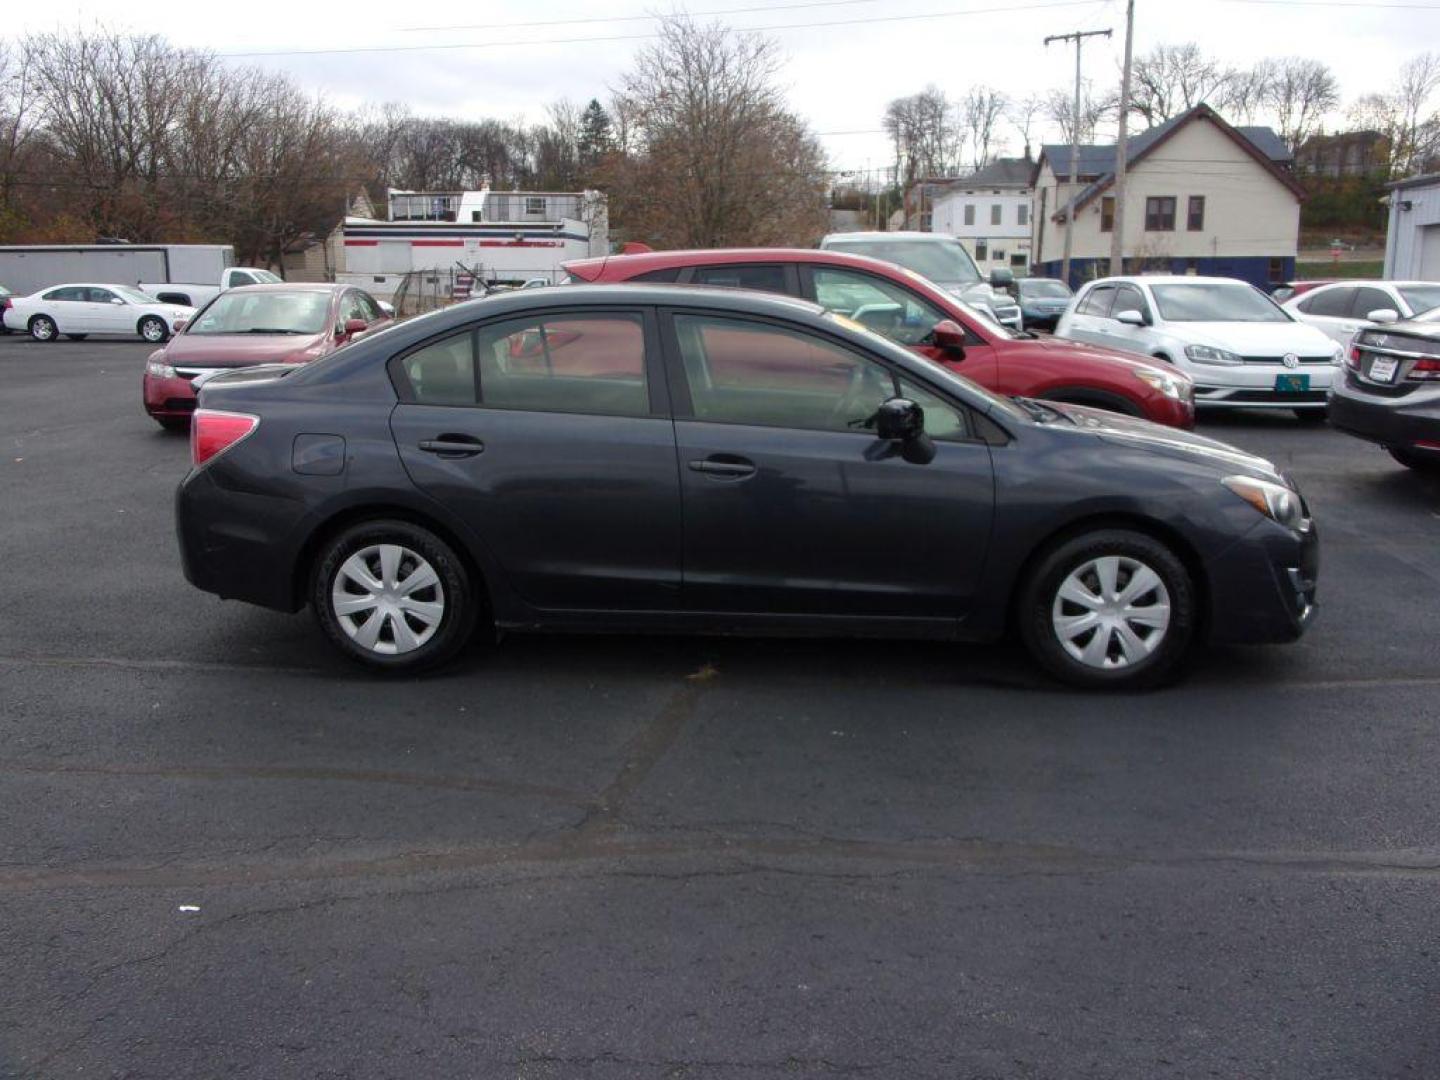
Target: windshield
[
  {"x": 939, "y": 260},
  {"x": 1419, "y": 297},
  {"x": 1042, "y": 288},
  {"x": 135, "y": 296},
  {"x": 264, "y": 313},
  {"x": 265, "y": 277},
  {"x": 1215, "y": 302}
]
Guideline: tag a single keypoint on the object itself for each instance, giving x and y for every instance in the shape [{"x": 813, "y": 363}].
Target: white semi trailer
[{"x": 185, "y": 274}]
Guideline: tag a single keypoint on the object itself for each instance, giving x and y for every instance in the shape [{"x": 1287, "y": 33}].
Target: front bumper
[
  {"x": 1399, "y": 419},
  {"x": 1254, "y": 386},
  {"x": 168, "y": 397},
  {"x": 1263, "y": 589}
]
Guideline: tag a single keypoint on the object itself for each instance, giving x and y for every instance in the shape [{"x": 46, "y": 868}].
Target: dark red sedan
[
  {"x": 255, "y": 324},
  {"x": 910, "y": 310}
]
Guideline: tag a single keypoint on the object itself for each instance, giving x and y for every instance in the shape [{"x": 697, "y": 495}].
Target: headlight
[
  {"x": 1337, "y": 355},
  {"x": 1176, "y": 385},
  {"x": 1275, "y": 501},
  {"x": 1204, "y": 354},
  {"x": 159, "y": 369}
]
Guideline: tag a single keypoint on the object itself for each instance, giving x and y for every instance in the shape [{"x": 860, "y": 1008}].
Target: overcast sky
[{"x": 838, "y": 76}]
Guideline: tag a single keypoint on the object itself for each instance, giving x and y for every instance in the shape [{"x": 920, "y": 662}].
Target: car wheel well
[
  {"x": 1164, "y": 358},
  {"x": 1156, "y": 530},
  {"x": 1100, "y": 399},
  {"x": 305, "y": 561}
]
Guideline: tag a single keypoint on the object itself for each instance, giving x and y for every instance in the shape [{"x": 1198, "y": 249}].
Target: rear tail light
[
  {"x": 1352, "y": 360},
  {"x": 212, "y": 432},
  {"x": 1425, "y": 369}
]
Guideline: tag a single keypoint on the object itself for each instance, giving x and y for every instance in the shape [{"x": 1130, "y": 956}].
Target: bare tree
[
  {"x": 1022, "y": 114},
  {"x": 17, "y": 126},
  {"x": 717, "y": 159},
  {"x": 923, "y": 131},
  {"x": 980, "y": 114},
  {"x": 1247, "y": 94},
  {"x": 1170, "y": 79},
  {"x": 1094, "y": 110},
  {"x": 1301, "y": 93}
]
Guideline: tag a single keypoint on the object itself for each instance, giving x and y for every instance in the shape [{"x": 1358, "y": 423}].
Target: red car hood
[
  {"x": 242, "y": 350},
  {"x": 1074, "y": 350}
]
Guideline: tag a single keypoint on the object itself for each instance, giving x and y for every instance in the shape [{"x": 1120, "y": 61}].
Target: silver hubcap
[
  {"x": 388, "y": 599},
  {"x": 43, "y": 329},
  {"x": 1111, "y": 612},
  {"x": 152, "y": 331}
]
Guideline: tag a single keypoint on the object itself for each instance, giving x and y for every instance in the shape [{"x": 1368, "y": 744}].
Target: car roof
[
  {"x": 1168, "y": 279},
  {"x": 293, "y": 286},
  {"x": 605, "y": 294},
  {"x": 874, "y": 236},
  {"x": 641, "y": 262},
  {"x": 89, "y": 285}
]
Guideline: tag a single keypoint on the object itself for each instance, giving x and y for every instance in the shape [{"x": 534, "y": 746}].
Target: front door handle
[
  {"x": 724, "y": 467},
  {"x": 453, "y": 446}
]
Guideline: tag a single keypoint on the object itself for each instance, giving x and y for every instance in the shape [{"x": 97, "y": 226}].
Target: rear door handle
[
  {"x": 727, "y": 468},
  {"x": 453, "y": 446}
]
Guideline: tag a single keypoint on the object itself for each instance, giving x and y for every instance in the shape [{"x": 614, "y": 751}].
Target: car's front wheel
[
  {"x": 153, "y": 329},
  {"x": 43, "y": 328},
  {"x": 1109, "y": 608},
  {"x": 393, "y": 596}
]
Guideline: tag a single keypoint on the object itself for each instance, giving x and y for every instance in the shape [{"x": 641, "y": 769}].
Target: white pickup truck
[{"x": 189, "y": 295}]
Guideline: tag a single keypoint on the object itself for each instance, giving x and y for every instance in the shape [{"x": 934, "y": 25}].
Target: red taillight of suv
[
  {"x": 213, "y": 431},
  {"x": 1352, "y": 361}
]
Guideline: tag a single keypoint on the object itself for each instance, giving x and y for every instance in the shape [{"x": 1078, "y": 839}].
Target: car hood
[
  {"x": 1255, "y": 339},
  {"x": 243, "y": 350},
  {"x": 1168, "y": 441},
  {"x": 976, "y": 292},
  {"x": 1080, "y": 352}
]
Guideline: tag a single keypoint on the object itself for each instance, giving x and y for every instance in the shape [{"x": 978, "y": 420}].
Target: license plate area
[
  {"x": 1382, "y": 368},
  {"x": 1292, "y": 384}
]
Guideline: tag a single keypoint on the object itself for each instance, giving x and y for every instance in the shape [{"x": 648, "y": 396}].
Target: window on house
[
  {"x": 1195, "y": 220},
  {"x": 476, "y": 215},
  {"x": 1107, "y": 213},
  {"x": 1018, "y": 260},
  {"x": 1022, "y": 214},
  {"x": 996, "y": 210},
  {"x": 1160, "y": 213},
  {"x": 969, "y": 213},
  {"x": 534, "y": 204},
  {"x": 998, "y": 254},
  {"x": 982, "y": 250},
  {"x": 1277, "y": 269}
]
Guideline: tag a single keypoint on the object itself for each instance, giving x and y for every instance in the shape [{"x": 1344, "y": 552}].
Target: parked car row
[{"x": 79, "y": 310}]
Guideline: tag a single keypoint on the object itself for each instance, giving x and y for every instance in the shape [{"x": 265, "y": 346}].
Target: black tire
[
  {"x": 43, "y": 328},
  {"x": 458, "y": 593},
  {"x": 77, "y": 337},
  {"x": 1311, "y": 416},
  {"x": 174, "y": 423},
  {"x": 153, "y": 329},
  {"x": 1038, "y": 599},
  {"x": 1420, "y": 462}
]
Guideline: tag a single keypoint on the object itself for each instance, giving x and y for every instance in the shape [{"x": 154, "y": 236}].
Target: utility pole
[
  {"x": 1078, "y": 37},
  {"x": 1117, "y": 237}
]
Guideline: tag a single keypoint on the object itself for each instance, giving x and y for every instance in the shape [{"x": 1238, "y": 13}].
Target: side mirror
[
  {"x": 950, "y": 336},
  {"x": 902, "y": 420},
  {"x": 178, "y": 325},
  {"x": 351, "y": 327},
  {"x": 1001, "y": 278},
  {"x": 386, "y": 308},
  {"x": 117, "y": 301},
  {"x": 1131, "y": 317},
  {"x": 1384, "y": 315}
]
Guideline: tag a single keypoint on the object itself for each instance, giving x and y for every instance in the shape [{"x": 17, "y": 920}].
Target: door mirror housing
[
  {"x": 1384, "y": 315},
  {"x": 386, "y": 308},
  {"x": 178, "y": 325},
  {"x": 950, "y": 336},
  {"x": 1131, "y": 317},
  {"x": 1002, "y": 278},
  {"x": 903, "y": 421},
  {"x": 351, "y": 327},
  {"x": 117, "y": 301}
]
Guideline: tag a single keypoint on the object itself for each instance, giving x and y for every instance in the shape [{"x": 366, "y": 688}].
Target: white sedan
[
  {"x": 1347, "y": 306},
  {"x": 77, "y": 311},
  {"x": 1242, "y": 350}
]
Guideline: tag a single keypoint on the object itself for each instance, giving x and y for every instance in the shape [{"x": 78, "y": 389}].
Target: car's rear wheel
[
  {"x": 153, "y": 329},
  {"x": 393, "y": 596},
  {"x": 1415, "y": 459},
  {"x": 1109, "y": 608},
  {"x": 43, "y": 328}
]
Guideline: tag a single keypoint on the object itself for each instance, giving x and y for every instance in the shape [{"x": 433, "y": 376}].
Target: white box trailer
[{"x": 28, "y": 269}]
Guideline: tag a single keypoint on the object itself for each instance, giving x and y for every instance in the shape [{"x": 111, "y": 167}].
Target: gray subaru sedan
[{"x": 661, "y": 458}]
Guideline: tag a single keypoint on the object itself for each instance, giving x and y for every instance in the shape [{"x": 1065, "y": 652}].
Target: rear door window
[
  {"x": 1368, "y": 299},
  {"x": 1129, "y": 298},
  {"x": 765, "y": 277},
  {"x": 584, "y": 363},
  {"x": 1330, "y": 303},
  {"x": 442, "y": 373},
  {"x": 1097, "y": 301}
]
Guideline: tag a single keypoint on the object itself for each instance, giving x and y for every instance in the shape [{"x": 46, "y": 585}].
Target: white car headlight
[
  {"x": 1172, "y": 384},
  {"x": 1205, "y": 354},
  {"x": 159, "y": 369},
  {"x": 1275, "y": 501}
]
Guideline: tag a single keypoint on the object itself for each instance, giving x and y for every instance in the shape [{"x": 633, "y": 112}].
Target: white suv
[
  {"x": 943, "y": 260},
  {"x": 1240, "y": 347}
]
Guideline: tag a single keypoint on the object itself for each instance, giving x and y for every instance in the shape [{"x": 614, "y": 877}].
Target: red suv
[{"x": 908, "y": 309}]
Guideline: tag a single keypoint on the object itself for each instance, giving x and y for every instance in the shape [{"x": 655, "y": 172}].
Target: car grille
[
  {"x": 1278, "y": 360},
  {"x": 1304, "y": 397}
]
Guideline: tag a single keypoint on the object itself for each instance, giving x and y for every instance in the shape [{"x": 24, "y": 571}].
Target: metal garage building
[{"x": 1412, "y": 243}]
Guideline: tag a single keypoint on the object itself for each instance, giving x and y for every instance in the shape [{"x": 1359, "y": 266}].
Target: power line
[
  {"x": 1003, "y": 8},
  {"x": 633, "y": 18}
]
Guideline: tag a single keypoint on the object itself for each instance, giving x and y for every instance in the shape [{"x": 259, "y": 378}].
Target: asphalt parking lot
[{"x": 224, "y": 852}]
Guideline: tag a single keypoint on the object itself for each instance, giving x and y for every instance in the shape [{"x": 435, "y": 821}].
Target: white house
[
  {"x": 1412, "y": 241},
  {"x": 1202, "y": 197},
  {"x": 502, "y": 237},
  {"x": 989, "y": 212}
]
